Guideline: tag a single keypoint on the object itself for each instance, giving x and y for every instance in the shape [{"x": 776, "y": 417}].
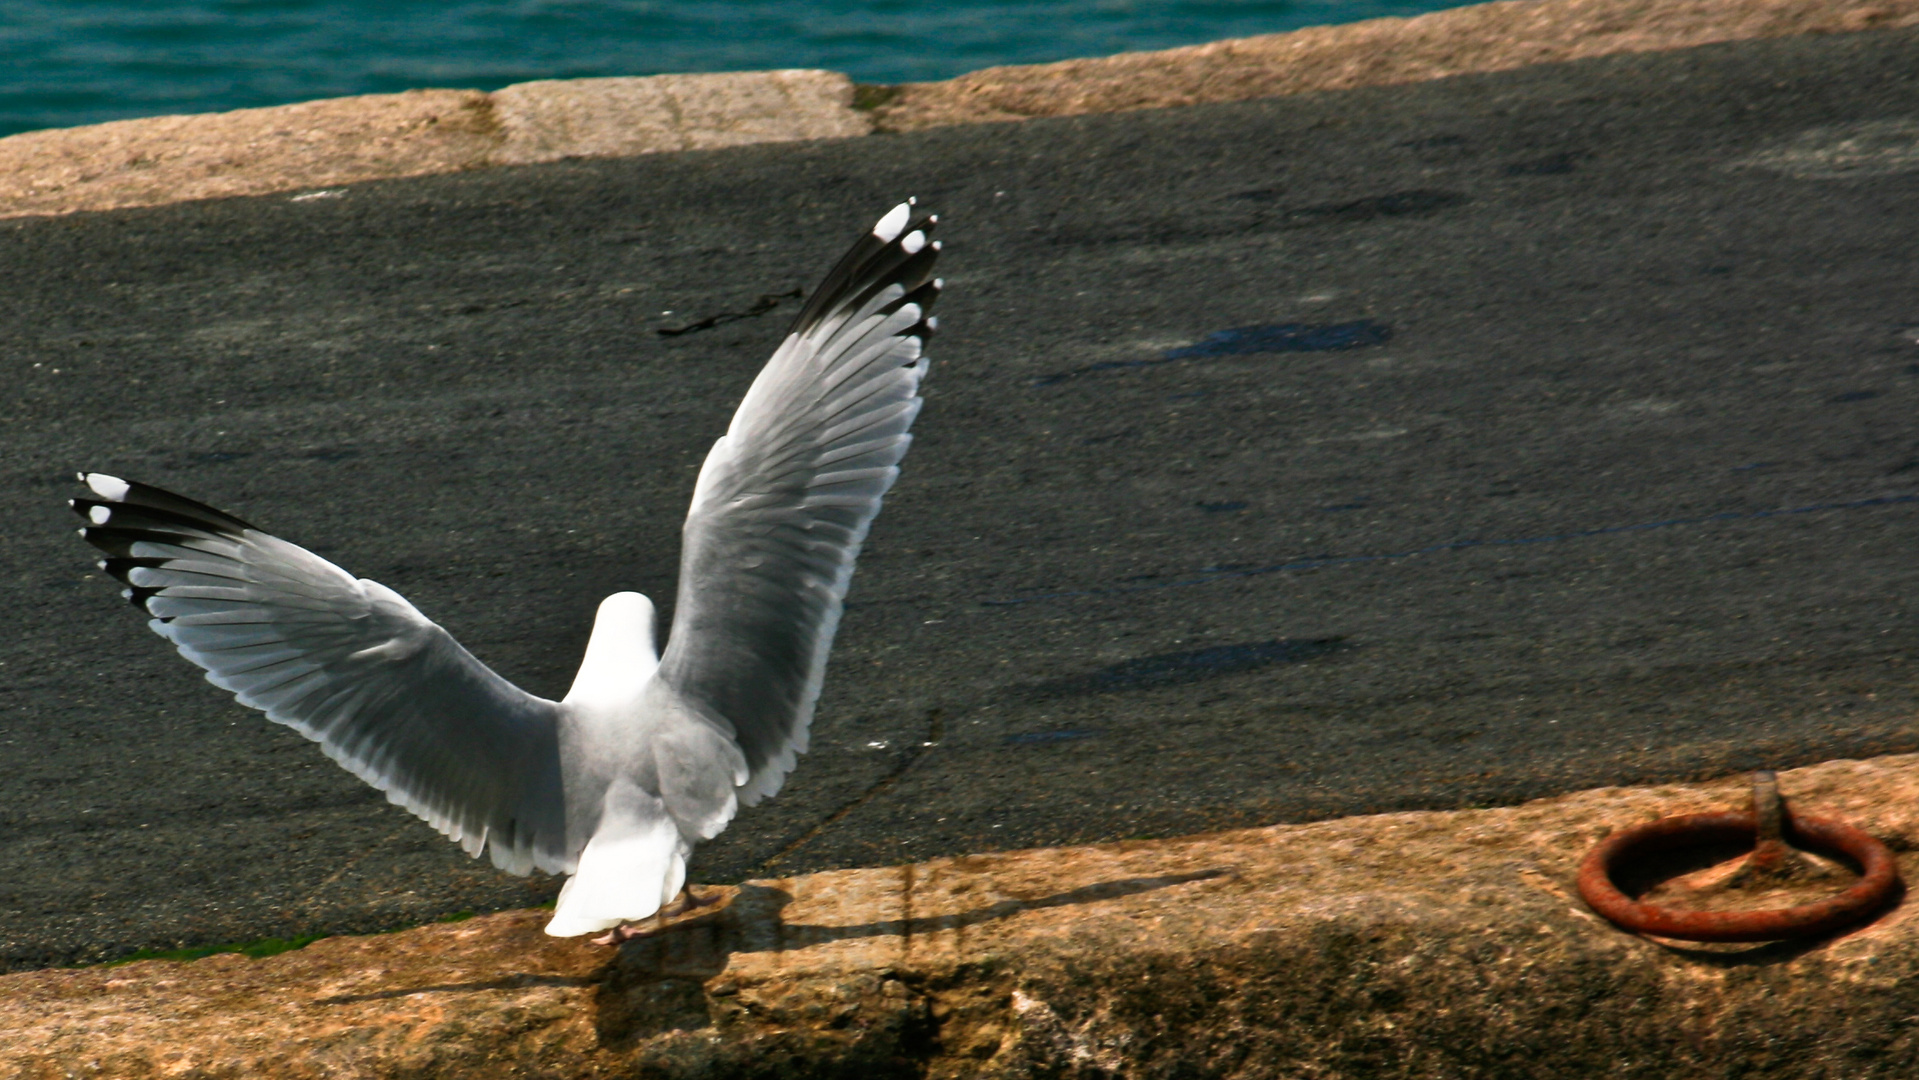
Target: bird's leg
[
  {"x": 619, "y": 935},
  {"x": 681, "y": 904},
  {"x": 689, "y": 900},
  {"x": 626, "y": 932}
]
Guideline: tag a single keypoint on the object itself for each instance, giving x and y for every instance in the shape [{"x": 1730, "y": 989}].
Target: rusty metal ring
[{"x": 1879, "y": 875}]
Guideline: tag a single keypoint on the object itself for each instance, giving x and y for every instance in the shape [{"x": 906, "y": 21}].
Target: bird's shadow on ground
[{"x": 658, "y": 982}]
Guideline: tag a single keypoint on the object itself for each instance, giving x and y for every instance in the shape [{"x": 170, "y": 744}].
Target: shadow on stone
[{"x": 658, "y": 983}]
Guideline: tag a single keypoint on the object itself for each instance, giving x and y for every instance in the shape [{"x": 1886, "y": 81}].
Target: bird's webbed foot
[
  {"x": 688, "y": 901},
  {"x": 621, "y": 934}
]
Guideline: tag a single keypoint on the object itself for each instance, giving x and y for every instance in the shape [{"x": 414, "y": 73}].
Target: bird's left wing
[
  {"x": 785, "y": 498},
  {"x": 346, "y": 662}
]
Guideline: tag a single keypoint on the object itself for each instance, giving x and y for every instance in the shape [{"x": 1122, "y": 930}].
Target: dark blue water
[{"x": 68, "y": 62}]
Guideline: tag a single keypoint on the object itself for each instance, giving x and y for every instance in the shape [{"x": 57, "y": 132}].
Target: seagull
[{"x": 649, "y": 753}]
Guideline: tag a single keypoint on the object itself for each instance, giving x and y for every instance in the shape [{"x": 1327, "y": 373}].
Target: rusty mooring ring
[{"x": 1879, "y": 876}]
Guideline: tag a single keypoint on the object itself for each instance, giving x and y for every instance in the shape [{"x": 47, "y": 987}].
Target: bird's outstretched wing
[
  {"x": 348, "y": 663},
  {"x": 785, "y": 498}
]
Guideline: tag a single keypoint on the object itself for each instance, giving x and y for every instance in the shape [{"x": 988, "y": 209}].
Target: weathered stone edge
[
  {"x": 1379, "y": 52},
  {"x": 1413, "y": 945},
  {"x": 316, "y": 145}
]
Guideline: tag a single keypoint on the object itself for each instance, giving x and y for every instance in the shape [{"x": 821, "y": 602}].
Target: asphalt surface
[{"x": 1585, "y": 457}]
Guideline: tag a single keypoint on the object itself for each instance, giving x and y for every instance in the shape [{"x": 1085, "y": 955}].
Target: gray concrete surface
[{"x": 1616, "y": 328}]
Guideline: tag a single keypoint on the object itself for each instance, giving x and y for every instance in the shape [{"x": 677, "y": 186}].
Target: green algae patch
[{"x": 258, "y": 950}]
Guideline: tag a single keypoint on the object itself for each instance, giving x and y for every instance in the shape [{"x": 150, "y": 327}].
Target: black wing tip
[
  {"x": 900, "y": 221},
  {"x": 147, "y": 501},
  {"x": 118, "y": 564},
  {"x": 138, "y": 595},
  {"x": 125, "y": 513},
  {"x": 898, "y": 250}
]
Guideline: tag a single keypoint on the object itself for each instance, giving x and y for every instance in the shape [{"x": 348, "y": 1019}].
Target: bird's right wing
[
  {"x": 349, "y": 664},
  {"x": 785, "y": 498}
]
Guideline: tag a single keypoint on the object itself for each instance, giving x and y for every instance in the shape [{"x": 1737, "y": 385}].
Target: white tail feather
[{"x": 634, "y": 864}]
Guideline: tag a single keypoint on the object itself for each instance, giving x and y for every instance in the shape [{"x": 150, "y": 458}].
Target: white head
[
  {"x": 621, "y": 655},
  {"x": 626, "y": 609}
]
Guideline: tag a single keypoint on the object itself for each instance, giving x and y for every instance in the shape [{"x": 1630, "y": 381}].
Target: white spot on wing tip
[
  {"x": 99, "y": 515},
  {"x": 914, "y": 241},
  {"x": 110, "y": 488},
  {"x": 893, "y": 223}
]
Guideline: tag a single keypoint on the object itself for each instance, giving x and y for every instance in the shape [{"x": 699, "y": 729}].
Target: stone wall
[{"x": 1417, "y": 945}]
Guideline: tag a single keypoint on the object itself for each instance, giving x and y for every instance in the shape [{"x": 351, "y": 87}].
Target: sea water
[{"x": 68, "y": 62}]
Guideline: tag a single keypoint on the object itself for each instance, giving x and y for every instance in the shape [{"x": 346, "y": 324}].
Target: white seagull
[{"x": 648, "y": 753}]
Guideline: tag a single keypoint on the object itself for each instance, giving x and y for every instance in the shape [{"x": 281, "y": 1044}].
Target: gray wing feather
[
  {"x": 349, "y": 664},
  {"x": 786, "y": 497}
]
